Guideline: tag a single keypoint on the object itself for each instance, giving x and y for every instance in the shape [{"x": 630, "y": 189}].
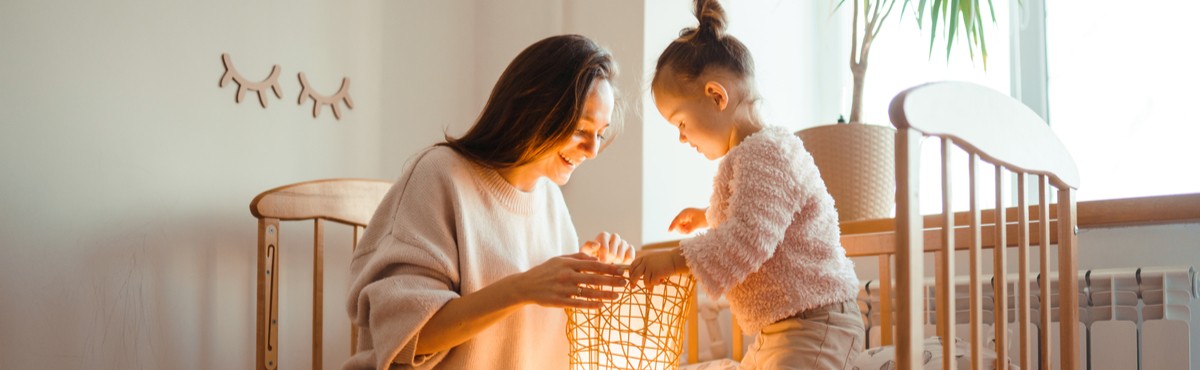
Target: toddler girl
[{"x": 773, "y": 243}]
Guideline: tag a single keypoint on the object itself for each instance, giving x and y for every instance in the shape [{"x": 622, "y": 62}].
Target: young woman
[{"x": 472, "y": 255}]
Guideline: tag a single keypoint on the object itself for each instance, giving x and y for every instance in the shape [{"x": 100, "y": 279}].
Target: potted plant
[{"x": 857, "y": 160}]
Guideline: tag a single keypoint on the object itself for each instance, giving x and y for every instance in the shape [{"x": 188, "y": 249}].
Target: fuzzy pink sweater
[{"x": 774, "y": 246}]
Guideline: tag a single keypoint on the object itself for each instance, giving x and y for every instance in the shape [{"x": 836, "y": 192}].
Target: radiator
[{"x": 1131, "y": 318}]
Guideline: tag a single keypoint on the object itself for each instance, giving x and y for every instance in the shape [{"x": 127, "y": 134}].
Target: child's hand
[
  {"x": 689, "y": 220},
  {"x": 609, "y": 248},
  {"x": 654, "y": 268}
]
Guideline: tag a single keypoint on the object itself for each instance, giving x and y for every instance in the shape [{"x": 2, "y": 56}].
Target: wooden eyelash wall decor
[
  {"x": 272, "y": 81},
  {"x": 231, "y": 74},
  {"x": 343, "y": 94}
]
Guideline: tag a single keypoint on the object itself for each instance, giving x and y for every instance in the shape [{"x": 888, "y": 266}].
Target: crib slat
[
  {"x": 945, "y": 288},
  {"x": 976, "y": 306},
  {"x": 693, "y": 328},
  {"x": 999, "y": 277},
  {"x": 737, "y": 340},
  {"x": 939, "y": 256},
  {"x": 318, "y": 293},
  {"x": 1044, "y": 273},
  {"x": 1023, "y": 274},
  {"x": 910, "y": 254},
  {"x": 358, "y": 230},
  {"x": 267, "y": 304},
  {"x": 885, "y": 299},
  {"x": 1068, "y": 287}
]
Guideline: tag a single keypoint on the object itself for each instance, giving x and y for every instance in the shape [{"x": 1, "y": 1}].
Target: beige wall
[
  {"x": 125, "y": 236},
  {"x": 125, "y": 239}
]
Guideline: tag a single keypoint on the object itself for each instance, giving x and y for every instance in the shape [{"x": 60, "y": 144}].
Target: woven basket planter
[
  {"x": 858, "y": 165},
  {"x": 643, "y": 329}
]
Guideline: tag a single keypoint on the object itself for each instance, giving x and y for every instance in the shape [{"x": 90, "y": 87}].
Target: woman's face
[
  {"x": 697, "y": 116},
  {"x": 584, "y": 144}
]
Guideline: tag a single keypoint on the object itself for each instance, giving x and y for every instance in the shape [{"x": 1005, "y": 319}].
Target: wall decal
[
  {"x": 231, "y": 74},
  {"x": 342, "y": 94}
]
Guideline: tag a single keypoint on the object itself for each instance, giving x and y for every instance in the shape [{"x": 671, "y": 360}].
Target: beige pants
[{"x": 827, "y": 337}]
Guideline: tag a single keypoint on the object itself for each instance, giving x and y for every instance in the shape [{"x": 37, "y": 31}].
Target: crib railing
[
  {"x": 997, "y": 130},
  {"x": 875, "y": 238}
]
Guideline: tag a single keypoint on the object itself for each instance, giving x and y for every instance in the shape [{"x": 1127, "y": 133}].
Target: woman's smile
[{"x": 569, "y": 162}]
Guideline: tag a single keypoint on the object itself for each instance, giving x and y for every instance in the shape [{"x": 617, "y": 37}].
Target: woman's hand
[
  {"x": 570, "y": 281},
  {"x": 689, "y": 220},
  {"x": 564, "y": 281},
  {"x": 655, "y": 267},
  {"x": 609, "y": 248}
]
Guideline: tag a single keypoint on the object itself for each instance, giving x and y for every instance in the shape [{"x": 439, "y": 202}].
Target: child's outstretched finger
[
  {"x": 651, "y": 280},
  {"x": 682, "y": 223},
  {"x": 636, "y": 269}
]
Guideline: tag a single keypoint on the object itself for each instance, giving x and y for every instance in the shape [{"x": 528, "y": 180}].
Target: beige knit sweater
[
  {"x": 773, "y": 245},
  {"x": 450, "y": 227}
]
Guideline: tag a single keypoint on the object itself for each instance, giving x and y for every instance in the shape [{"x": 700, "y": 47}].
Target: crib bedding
[
  {"x": 721, "y": 364},
  {"x": 884, "y": 357}
]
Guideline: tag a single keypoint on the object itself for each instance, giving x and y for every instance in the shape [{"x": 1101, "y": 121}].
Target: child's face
[{"x": 698, "y": 118}]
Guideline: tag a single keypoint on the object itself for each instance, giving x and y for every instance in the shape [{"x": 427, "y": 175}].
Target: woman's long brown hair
[{"x": 537, "y": 102}]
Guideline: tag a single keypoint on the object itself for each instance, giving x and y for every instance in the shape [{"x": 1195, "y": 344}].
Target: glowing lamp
[{"x": 643, "y": 329}]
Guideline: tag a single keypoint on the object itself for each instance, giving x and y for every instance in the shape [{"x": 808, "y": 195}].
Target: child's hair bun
[
  {"x": 706, "y": 45},
  {"x": 712, "y": 22},
  {"x": 712, "y": 19}
]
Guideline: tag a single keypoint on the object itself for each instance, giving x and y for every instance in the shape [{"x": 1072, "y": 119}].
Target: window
[
  {"x": 1122, "y": 82},
  {"x": 900, "y": 58}
]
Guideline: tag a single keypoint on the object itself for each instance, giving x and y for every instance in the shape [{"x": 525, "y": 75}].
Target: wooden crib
[{"x": 996, "y": 133}]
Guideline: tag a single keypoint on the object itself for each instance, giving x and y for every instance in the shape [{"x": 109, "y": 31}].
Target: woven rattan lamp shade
[{"x": 643, "y": 329}]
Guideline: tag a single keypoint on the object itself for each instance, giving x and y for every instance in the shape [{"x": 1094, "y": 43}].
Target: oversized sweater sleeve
[
  {"x": 405, "y": 269},
  {"x": 763, "y": 197}
]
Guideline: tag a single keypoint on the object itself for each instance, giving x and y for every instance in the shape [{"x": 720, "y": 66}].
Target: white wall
[
  {"x": 1140, "y": 246},
  {"x": 789, "y": 41},
  {"x": 127, "y": 242},
  {"x": 605, "y": 193},
  {"x": 1117, "y": 247},
  {"x": 429, "y": 84},
  {"x": 125, "y": 236}
]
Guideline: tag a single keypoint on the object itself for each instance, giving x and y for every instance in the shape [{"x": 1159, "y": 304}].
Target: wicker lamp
[{"x": 643, "y": 329}]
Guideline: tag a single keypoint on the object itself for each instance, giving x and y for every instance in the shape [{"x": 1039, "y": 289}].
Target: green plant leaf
[
  {"x": 951, "y": 28},
  {"x": 920, "y": 11},
  {"x": 933, "y": 22}
]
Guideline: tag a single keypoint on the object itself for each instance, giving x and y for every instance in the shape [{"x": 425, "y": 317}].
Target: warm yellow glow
[{"x": 643, "y": 329}]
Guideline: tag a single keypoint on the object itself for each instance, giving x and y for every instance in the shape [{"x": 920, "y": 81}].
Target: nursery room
[{"x": 231, "y": 184}]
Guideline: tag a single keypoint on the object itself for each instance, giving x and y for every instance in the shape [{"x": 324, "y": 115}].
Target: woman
[{"x": 472, "y": 255}]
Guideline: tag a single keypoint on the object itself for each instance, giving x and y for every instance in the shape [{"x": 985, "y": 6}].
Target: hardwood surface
[{"x": 1094, "y": 214}]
